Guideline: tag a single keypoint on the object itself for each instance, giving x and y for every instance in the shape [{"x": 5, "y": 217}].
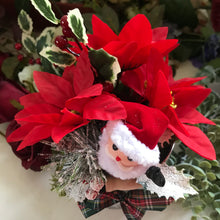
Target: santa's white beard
[{"x": 113, "y": 167}]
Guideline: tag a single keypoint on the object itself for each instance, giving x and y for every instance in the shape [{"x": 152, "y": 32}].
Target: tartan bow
[{"x": 134, "y": 203}]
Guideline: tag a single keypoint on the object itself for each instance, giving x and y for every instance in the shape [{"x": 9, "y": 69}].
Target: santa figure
[{"x": 128, "y": 148}]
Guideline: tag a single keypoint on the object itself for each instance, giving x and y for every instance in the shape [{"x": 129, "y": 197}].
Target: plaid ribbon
[{"x": 134, "y": 203}]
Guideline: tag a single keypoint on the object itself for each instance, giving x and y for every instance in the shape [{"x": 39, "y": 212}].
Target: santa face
[{"x": 116, "y": 163}]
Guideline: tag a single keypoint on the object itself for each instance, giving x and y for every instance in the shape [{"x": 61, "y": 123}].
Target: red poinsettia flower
[
  {"x": 63, "y": 104},
  {"x": 177, "y": 99},
  {"x": 132, "y": 46}
]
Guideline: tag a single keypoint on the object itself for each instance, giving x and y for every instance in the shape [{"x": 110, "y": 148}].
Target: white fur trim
[
  {"x": 123, "y": 138},
  {"x": 110, "y": 165}
]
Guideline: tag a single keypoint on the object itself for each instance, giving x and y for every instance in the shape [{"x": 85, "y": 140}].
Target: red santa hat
[{"x": 138, "y": 135}]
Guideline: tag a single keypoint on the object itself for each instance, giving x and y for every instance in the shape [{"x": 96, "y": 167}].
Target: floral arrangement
[{"x": 103, "y": 112}]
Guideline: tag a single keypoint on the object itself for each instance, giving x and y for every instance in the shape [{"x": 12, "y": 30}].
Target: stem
[
  {"x": 77, "y": 41},
  {"x": 72, "y": 52}
]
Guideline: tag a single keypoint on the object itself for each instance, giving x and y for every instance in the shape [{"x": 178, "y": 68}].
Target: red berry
[
  {"x": 18, "y": 46},
  {"x": 38, "y": 61},
  {"x": 20, "y": 57},
  {"x": 61, "y": 42},
  {"x": 107, "y": 86},
  {"x": 31, "y": 61},
  {"x": 65, "y": 27}
]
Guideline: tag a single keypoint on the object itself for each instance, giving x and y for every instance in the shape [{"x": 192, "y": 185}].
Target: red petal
[
  {"x": 31, "y": 99},
  {"x": 37, "y": 109},
  {"x": 83, "y": 76},
  {"x": 190, "y": 96},
  {"x": 165, "y": 46},
  {"x": 54, "y": 89},
  {"x": 102, "y": 34},
  {"x": 198, "y": 142},
  {"x": 77, "y": 104},
  {"x": 94, "y": 90},
  {"x": 174, "y": 122},
  {"x": 159, "y": 33},
  {"x": 104, "y": 107},
  {"x": 69, "y": 123},
  {"x": 192, "y": 116},
  {"x": 20, "y": 133},
  {"x": 49, "y": 119},
  {"x": 185, "y": 82},
  {"x": 37, "y": 134},
  {"x": 160, "y": 92},
  {"x": 137, "y": 29},
  {"x": 124, "y": 51}
]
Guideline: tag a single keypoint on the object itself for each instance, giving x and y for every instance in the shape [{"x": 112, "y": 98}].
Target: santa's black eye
[
  {"x": 114, "y": 147},
  {"x": 129, "y": 159}
]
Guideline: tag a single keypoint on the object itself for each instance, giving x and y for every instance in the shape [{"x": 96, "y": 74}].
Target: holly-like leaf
[
  {"x": 76, "y": 23},
  {"x": 106, "y": 65},
  {"x": 29, "y": 43},
  {"x": 45, "y": 39},
  {"x": 25, "y": 22},
  {"x": 44, "y": 8},
  {"x": 57, "y": 56}
]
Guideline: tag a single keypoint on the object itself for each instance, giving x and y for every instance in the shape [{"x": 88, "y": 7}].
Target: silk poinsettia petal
[
  {"x": 137, "y": 29},
  {"x": 20, "y": 133},
  {"x": 124, "y": 51},
  {"x": 160, "y": 96},
  {"x": 197, "y": 141},
  {"x": 54, "y": 89},
  {"x": 94, "y": 90},
  {"x": 77, "y": 105},
  {"x": 192, "y": 116},
  {"x": 165, "y": 46},
  {"x": 37, "y": 109},
  {"x": 69, "y": 122},
  {"x": 31, "y": 99},
  {"x": 174, "y": 121},
  {"x": 159, "y": 33},
  {"x": 185, "y": 82},
  {"x": 83, "y": 77},
  {"x": 49, "y": 119},
  {"x": 102, "y": 32},
  {"x": 104, "y": 107},
  {"x": 191, "y": 96},
  {"x": 135, "y": 79},
  {"x": 147, "y": 124},
  {"x": 35, "y": 135}
]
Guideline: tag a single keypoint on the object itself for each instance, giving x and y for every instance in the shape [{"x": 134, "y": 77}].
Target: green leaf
[
  {"x": 29, "y": 43},
  {"x": 218, "y": 210},
  {"x": 180, "y": 12},
  {"x": 45, "y": 39},
  {"x": 205, "y": 164},
  {"x": 25, "y": 22},
  {"x": 211, "y": 176},
  {"x": 189, "y": 167},
  {"x": 197, "y": 209},
  {"x": 217, "y": 203},
  {"x": 106, "y": 65},
  {"x": 44, "y": 8},
  {"x": 75, "y": 21},
  {"x": 57, "y": 56},
  {"x": 8, "y": 67},
  {"x": 193, "y": 218}
]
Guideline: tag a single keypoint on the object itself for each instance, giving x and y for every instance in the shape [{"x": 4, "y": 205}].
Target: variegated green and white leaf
[
  {"x": 76, "y": 23},
  {"x": 29, "y": 43},
  {"x": 57, "y": 56},
  {"x": 106, "y": 65},
  {"x": 46, "y": 38},
  {"x": 44, "y": 8},
  {"x": 25, "y": 22}
]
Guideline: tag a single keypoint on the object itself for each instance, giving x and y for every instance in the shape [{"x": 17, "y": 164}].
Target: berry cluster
[{"x": 20, "y": 56}]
